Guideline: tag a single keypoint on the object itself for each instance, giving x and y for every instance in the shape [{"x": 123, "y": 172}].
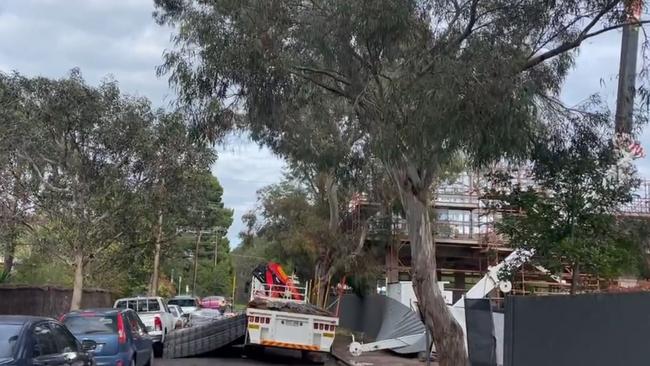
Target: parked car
[
  {"x": 155, "y": 315},
  {"x": 216, "y": 303},
  {"x": 181, "y": 319},
  {"x": 27, "y": 340},
  {"x": 120, "y": 336},
  {"x": 187, "y": 303}
]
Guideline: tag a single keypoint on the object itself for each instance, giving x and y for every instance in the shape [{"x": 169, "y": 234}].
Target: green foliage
[
  {"x": 569, "y": 215},
  {"x": 40, "y": 269},
  {"x": 206, "y": 212},
  {"x": 86, "y": 172}
]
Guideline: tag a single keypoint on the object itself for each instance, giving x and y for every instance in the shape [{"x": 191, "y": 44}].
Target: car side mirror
[{"x": 88, "y": 345}]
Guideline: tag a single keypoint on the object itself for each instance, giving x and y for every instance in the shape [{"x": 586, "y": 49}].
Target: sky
[{"x": 119, "y": 39}]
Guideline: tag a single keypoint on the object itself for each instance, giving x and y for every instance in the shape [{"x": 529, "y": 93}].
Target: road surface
[{"x": 232, "y": 357}]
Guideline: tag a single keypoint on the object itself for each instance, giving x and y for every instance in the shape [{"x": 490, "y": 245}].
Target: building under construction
[{"x": 467, "y": 244}]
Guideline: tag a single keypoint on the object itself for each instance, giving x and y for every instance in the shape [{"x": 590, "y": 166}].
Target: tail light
[
  {"x": 259, "y": 319},
  {"x": 119, "y": 363},
  {"x": 325, "y": 327},
  {"x": 121, "y": 333},
  {"x": 157, "y": 323}
]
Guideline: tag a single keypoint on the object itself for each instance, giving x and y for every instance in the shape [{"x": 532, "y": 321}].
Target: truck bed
[{"x": 289, "y": 307}]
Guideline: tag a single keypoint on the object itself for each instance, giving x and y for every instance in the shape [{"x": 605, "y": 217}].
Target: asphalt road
[{"x": 233, "y": 357}]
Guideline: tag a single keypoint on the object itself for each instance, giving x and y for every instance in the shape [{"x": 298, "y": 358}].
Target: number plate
[{"x": 292, "y": 323}]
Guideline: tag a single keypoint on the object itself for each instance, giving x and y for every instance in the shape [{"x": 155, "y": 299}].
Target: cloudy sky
[{"x": 119, "y": 38}]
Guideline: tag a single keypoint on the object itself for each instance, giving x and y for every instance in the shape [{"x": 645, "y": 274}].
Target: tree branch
[
  {"x": 322, "y": 85},
  {"x": 584, "y": 34},
  {"x": 40, "y": 175},
  {"x": 332, "y": 74},
  {"x": 470, "y": 22}
]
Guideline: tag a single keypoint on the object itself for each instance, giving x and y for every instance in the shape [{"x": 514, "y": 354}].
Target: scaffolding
[{"x": 467, "y": 242}]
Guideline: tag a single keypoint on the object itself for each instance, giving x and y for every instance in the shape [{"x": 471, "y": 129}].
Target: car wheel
[{"x": 151, "y": 358}]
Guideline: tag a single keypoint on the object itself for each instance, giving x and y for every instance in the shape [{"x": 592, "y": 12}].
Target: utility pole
[
  {"x": 216, "y": 248},
  {"x": 627, "y": 69},
  {"x": 219, "y": 231},
  {"x": 196, "y": 262}
]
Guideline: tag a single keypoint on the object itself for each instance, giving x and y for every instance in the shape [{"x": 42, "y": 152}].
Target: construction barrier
[{"x": 205, "y": 337}]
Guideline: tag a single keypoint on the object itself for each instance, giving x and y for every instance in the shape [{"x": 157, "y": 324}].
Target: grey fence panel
[
  {"x": 591, "y": 329},
  {"x": 481, "y": 339},
  {"x": 205, "y": 337}
]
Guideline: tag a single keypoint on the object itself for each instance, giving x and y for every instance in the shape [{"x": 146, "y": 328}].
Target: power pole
[
  {"x": 627, "y": 69},
  {"x": 196, "y": 262},
  {"x": 216, "y": 248}
]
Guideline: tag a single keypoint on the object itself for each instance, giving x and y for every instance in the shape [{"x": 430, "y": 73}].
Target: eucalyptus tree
[
  {"x": 429, "y": 80},
  {"x": 17, "y": 185},
  {"x": 81, "y": 149}
]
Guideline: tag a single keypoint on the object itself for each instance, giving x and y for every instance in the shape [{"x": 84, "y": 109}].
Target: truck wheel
[
  {"x": 158, "y": 349},
  {"x": 313, "y": 357},
  {"x": 253, "y": 351}
]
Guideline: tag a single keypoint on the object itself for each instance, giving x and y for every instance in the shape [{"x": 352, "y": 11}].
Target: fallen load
[{"x": 204, "y": 337}]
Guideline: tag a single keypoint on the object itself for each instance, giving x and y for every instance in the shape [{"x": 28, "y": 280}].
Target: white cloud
[{"x": 243, "y": 168}]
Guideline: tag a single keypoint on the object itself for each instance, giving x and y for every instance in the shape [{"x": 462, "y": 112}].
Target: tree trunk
[
  {"x": 324, "y": 267},
  {"x": 8, "y": 259},
  {"x": 9, "y": 251},
  {"x": 78, "y": 287},
  {"x": 153, "y": 290},
  {"x": 323, "y": 276},
  {"x": 575, "y": 278},
  {"x": 447, "y": 334},
  {"x": 333, "y": 202}
]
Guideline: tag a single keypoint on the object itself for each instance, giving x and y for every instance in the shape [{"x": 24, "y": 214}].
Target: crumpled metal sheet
[{"x": 380, "y": 317}]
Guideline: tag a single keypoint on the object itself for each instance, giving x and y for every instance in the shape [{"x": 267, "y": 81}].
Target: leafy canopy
[{"x": 568, "y": 215}]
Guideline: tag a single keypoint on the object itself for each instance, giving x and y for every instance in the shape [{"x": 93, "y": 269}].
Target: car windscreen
[
  {"x": 182, "y": 302},
  {"x": 8, "y": 338},
  {"x": 174, "y": 312},
  {"x": 139, "y": 305},
  {"x": 91, "y": 324}
]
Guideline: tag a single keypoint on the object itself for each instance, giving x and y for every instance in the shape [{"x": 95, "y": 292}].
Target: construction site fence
[
  {"x": 205, "y": 337},
  {"x": 587, "y": 329}
]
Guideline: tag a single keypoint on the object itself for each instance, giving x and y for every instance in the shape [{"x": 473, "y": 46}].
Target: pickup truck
[{"x": 155, "y": 315}]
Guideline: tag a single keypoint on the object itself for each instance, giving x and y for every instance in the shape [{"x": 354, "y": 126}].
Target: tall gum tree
[
  {"x": 429, "y": 80},
  {"x": 80, "y": 150}
]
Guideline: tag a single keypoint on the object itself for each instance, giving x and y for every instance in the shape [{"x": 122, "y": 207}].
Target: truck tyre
[
  {"x": 313, "y": 357},
  {"x": 253, "y": 351},
  {"x": 158, "y": 348}
]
